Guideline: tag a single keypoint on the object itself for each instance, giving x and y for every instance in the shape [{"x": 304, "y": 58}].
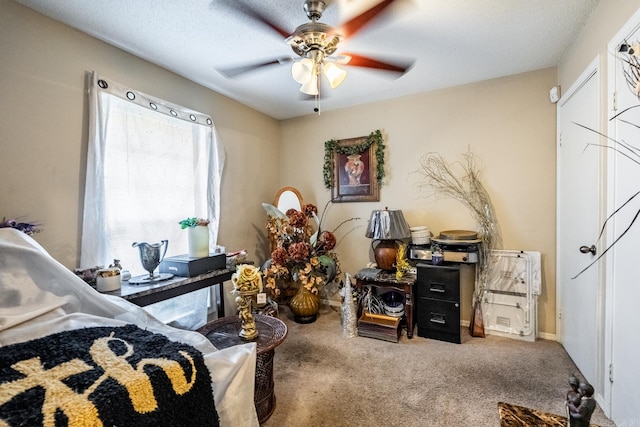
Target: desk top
[
  {"x": 385, "y": 277},
  {"x": 147, "y": 291},
  {"x": 223, "y": 333}
]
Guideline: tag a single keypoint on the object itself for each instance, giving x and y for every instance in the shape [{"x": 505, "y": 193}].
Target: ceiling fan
[{"x": 315, "y": 44}]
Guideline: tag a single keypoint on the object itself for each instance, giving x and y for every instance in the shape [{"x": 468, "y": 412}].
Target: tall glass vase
[{"x": 304, "y": 305}]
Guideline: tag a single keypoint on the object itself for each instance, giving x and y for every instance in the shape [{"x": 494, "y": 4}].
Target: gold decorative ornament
[
  {"x": 402, "y": 265},
  {"x": 247, "y": 283}
]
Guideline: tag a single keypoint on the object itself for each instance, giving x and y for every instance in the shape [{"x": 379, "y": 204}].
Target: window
[{"x": 150, "y": 164}]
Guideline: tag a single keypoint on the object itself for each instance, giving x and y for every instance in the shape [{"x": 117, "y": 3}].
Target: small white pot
[
  {"x": 198, "y": 241},
  {"x": 108, "y": 279}
]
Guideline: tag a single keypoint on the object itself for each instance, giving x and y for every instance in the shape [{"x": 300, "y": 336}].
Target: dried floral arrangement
[
  {"x": 631, "y": 69},
  {"x": 25, "y": 227},
  {"x": 466, "y": 187},
  {"x": 303, "y": 252}
]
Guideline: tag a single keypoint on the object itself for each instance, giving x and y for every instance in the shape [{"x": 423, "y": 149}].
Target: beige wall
[
  {"x": 508, "y": 124},
  {"x": 605, "y": 21},
  {"x": 43, "y": 131}
]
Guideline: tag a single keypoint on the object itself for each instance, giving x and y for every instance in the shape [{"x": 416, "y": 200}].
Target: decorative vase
[
  {"x": 198, "y": 241},
  {"x": 354, "y": 168},
  {"x": 476, "y": 326},
  {"x": 304, "y": 305}
]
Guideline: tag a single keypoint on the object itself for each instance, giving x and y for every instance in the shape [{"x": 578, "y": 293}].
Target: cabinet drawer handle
[
  {"x": 437, "y": 318},
  {"x": 437, "y": 287}
]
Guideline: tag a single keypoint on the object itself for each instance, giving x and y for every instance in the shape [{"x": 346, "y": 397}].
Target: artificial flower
[
  {"x": 246, "y": 278},
  {"x": 193, "y": 222},
  {"x": 301, "y": 254}
]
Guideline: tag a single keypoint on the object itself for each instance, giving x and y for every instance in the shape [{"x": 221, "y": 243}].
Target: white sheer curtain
[{"x": 150, "y": 164}]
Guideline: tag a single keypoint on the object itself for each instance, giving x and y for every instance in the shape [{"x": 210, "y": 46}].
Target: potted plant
[
  {"x": 198, "y": 236},
  {"x": 301, "y": 257}
]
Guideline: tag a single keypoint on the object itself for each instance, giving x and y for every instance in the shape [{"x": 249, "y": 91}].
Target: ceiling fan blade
[
  {"x": 254, "y": 14},
  {"x": 352, "y": 26},
  {"x": 369, "y": 62},
  {"x": 236, "y": 71}
]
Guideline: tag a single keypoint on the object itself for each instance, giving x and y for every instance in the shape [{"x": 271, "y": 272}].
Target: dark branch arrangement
[
  {"x": 466, "y": 187},
  {"x": 631, "y": 71}
]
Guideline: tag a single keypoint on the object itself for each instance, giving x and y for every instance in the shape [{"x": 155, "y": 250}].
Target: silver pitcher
[{"x": 150, "y": 255}]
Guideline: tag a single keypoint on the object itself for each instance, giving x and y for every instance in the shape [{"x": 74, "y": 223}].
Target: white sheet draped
[{"x": 39, "y": 297}]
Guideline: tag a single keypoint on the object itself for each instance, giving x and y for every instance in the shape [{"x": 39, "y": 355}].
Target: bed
[{"x": 70, "y": 355}]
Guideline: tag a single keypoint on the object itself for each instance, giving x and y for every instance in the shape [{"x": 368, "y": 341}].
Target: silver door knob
[{"x": 587, "y": 249}]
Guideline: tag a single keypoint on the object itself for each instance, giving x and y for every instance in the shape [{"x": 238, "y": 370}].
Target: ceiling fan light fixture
[
  {"x": 310, "y": 87},
  {"x": 334, "y": 74},
  {"x": 302, "y": 70}
]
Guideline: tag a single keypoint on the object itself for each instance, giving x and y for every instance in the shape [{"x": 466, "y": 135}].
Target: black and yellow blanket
[{"x": 105, "y": 376}]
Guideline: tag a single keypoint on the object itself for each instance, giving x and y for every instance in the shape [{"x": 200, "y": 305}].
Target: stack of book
[{"x": 379, "y": 326}]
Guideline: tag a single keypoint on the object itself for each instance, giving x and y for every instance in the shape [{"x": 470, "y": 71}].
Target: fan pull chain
[{"x": 316, "y": 108}]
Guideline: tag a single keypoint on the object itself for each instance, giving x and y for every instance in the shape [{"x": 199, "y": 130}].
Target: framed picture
[{"x": 354, "y": 173}]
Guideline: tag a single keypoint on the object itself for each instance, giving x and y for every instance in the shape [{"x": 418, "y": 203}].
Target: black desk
[{"x": 146, "y": 294}]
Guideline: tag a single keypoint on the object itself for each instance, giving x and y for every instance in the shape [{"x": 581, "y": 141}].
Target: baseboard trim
[{"x": 547, "y": 336}]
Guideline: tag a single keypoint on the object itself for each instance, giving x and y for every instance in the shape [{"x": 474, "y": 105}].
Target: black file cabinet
[{"x": 437, "y": 295}]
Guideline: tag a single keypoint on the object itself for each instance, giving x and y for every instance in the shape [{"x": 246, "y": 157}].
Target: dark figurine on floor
[
  {"x": 580, "y": 403},
  {"x": 573, "y": 395}
]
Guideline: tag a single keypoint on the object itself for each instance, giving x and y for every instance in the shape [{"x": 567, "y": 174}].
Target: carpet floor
[{"x": 323, "y": 378}]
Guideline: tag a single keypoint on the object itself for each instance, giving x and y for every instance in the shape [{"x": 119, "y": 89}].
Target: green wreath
[{"x": 332, "y": 146}]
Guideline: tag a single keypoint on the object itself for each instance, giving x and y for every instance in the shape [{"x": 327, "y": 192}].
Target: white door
[
  {"x": 622, "y": 263},
  {"x": 578, "y": 317}
]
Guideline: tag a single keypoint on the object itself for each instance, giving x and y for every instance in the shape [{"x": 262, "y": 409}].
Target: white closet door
[
  {"x": 579, "y": 319},
  {"x": 623, "y": 260}
]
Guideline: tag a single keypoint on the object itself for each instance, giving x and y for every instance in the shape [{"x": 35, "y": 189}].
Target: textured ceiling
[{"x": 451, "y": 42}]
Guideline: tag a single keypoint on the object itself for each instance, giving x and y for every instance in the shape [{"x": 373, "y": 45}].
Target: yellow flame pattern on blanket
[{"x": 79, "y": 410}]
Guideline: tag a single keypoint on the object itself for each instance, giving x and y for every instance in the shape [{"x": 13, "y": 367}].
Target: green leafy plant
[{"x": 193, "y": 222}]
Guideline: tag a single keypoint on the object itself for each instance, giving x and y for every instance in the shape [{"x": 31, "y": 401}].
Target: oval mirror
[{"x": 288, "y": 198}]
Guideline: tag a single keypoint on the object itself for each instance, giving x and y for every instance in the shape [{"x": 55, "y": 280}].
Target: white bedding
[{"x": 39, "y": 297}]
